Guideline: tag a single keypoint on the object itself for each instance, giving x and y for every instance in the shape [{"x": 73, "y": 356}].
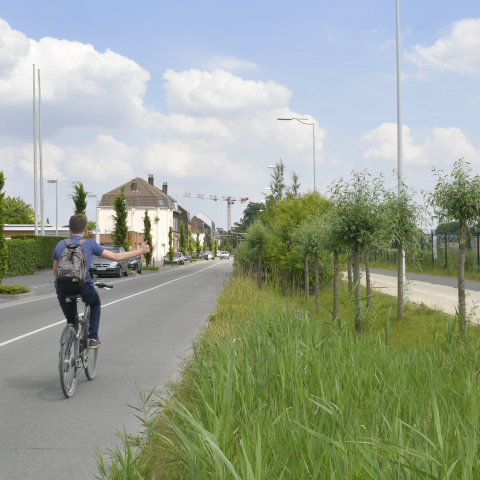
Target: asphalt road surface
[{"x": 148, "y": 323}]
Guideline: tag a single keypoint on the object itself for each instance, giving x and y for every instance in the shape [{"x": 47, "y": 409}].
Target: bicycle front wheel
[
  {"x": 68, "y": 360},
  {"x": 90, "y": 357}
]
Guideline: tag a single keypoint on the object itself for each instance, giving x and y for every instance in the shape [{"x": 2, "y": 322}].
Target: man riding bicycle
[{"x": 78, "y": 227}]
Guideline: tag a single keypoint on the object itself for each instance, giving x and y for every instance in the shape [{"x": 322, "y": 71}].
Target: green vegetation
[
  {"x": 120, "y": 229},
  {"x": 251, "y": 211},
  {"x": 182, "y": 242},
  {"x": 191, "y": 243},
  {"x": 147, "y": 236},
  {"x": 198, "y": 247},
  {"x": 3, "y": 241},
  {"x": 13, "y": 289},
  {"x": 171, "y": 251},
  {"x": 274, "y": 390},
  {"x": 16, "y": 211},
  {"x": 44, "y": 249},
  {"x": 79, "y": 197},
  {"x": 22, "y": 257},
  {"x": 150, "y": 268}
]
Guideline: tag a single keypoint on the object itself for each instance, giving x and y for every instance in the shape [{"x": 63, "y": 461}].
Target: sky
[{"x": 190, "y": 91}]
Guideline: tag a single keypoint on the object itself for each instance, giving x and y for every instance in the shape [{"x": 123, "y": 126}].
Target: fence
[{"x": 446, "y": 253}]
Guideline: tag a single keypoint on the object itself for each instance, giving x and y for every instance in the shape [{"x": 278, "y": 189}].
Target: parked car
[
  {"x": 188, "y": 257},
  {"x": 102, "y": 266},
  {"x": 208, "y": 256},
  {"x": 135, "y": 263},
  {"x": 177, "y": 258},
  {"x": 195, "y": 255},
  {"x": 202, "y": 254},
  {"x": 224, "y": 255}
]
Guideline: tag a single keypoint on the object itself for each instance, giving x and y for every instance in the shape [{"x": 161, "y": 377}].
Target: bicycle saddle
[{"x": 70, "y": 298}]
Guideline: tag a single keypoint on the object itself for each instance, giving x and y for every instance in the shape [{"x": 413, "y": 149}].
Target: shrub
[
  {"x": 21, "y": 257},
  {"x": 13, "y": 289},
  {"x": 45, "y": 248},
  {"x": 150, "y": 268}
]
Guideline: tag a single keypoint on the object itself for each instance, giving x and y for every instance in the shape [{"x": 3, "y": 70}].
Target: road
[{"x": 148, "y": 322}]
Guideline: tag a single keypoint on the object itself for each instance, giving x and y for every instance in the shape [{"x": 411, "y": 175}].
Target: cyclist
[{"x": 78, "y": 227}]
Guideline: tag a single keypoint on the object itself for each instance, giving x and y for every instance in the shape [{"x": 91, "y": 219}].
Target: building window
[{"x": 160, "y": 202}]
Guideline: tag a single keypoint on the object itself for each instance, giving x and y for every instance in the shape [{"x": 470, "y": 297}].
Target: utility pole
[
  {"x": 35, "y": 194},
  {"x": 401, "y": 251},
  {"x": 229, "y": 214},
  {"x": 42, "y": 196}
]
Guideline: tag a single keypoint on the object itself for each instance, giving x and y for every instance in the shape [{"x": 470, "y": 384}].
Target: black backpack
[{"x": 72, "y": 268}]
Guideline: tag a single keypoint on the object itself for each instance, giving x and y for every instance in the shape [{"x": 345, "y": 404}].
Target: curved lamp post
[{"x": 303, "y": 121}]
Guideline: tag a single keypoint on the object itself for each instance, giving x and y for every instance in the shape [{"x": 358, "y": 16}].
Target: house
[
  {"x": 207, "y": 226},
  {"x": 142, "y": 196}
]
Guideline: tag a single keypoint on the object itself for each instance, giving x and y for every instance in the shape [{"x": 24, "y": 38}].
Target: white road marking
[
  {"x": 417, "y": 290},
  {"x": 446, "y": 296},
  {"x": 44, "y": 285},
  {"x": 106, "y": 305}
]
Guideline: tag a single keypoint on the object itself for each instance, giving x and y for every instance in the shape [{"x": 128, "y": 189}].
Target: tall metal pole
[
  {"x": 42, "y": 196},
  {"x": 400, "y": 138},
  {"x": 314, "y": 175},
  {"x": 56, "y": 208},
  {"x": 35, "y": 194},
  {"x": 96, "y": 221},
  {"x": 229, "y": 215}
]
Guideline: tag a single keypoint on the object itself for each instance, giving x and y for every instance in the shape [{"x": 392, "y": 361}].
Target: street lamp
[
  {"x": 56, "y": 204},
  {"x": 91, "y": 195},
  {"x": 303, "y": 120}
]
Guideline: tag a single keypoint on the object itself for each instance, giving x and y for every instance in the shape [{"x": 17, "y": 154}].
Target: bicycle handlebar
[{"x": 103, "y": 285}]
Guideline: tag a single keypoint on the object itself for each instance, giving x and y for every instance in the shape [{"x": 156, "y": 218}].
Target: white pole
[
  {"x": 35, "y": 194},
  {"x": 399, "y": 134},
  {"x": 314, "y": 175},
  {"x": 96, "y": 221},
  {"x": 56, "y": 208},
  {"x": 42, "y": 196}
]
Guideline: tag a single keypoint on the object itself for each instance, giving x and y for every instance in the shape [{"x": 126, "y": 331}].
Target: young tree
[
  {"x": 205, "y": 241},
  {"x": 198, "y": 247},
  {"x": 249, "y": 215},
  {"x": 79, "y": 197},
  {"x": 183, "y": 239},
  {"x": 16, "y": 211},
  {"x": 147, "y": 236},
  {"x": 3, "y": 242},
  {"x": 359, "y": 222},
  {"x": 215, "y": 248},
  {"x": 91, "y": 226},
  {"x": 191, "y": 244},
  {"x": 171, "y": 251},
  {"x": 277, "y": 185},
  {"x": 120, "y": 229},
  {"x": 257, "y": 239},
  {"x": 456, "y": 197},
  {"x": 404, "y": 215},
  {"x": 294, "y": 189}
]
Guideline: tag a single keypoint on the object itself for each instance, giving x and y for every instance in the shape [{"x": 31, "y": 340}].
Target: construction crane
[{"x": 230, "y": 201}]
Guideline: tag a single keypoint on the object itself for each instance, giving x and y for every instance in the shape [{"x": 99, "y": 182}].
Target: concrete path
[
  {"x": 441, "y": 297},
  {"x": 147, "y": 324}
]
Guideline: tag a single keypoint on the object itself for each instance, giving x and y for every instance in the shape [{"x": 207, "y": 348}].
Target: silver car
[{"x": 224, "y": 255}]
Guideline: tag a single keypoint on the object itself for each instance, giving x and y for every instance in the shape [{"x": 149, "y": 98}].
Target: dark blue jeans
[{"x": 90, "y": 296}]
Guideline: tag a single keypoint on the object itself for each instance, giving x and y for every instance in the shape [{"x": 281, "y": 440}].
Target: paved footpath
[
  {"x": 148, "y": 323},
  {"x": 436, "y": 292}
]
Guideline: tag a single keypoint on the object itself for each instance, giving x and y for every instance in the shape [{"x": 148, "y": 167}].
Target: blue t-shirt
[{"x": 90, "y": 247}]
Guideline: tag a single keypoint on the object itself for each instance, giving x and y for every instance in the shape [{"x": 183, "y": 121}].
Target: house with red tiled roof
[{"x": 143, "y": 195}]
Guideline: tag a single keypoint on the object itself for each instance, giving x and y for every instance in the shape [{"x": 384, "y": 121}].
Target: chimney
[
  {"x": 165, "y": 188},
  {"x": 150, "y": 179}
]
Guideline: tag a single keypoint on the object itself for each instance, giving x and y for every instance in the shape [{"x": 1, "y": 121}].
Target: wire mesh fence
[{"x": 435, "y": 252}]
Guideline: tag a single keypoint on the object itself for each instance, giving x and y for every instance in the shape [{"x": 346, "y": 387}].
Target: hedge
[
  {"x": 45, "y": 248},
  {"x": 21, "y": 257},
  {"x": 13, "y": 289}
]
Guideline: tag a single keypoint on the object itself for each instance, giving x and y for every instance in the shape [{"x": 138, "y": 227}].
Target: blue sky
[{"x": 107, "y": 118}]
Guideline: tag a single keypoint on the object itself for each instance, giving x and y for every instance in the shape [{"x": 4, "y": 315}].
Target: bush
[
  {"x": 21, "y": 257},
  {"x": 13, "y": 289},
  {"x": 45, "y": 248},
  {"x": 150, "y": 268}
]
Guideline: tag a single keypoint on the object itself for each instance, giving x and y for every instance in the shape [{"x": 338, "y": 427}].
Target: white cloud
[
  {"x": 202, "y": 93},
  {"x": 80, "y": 86},
  {"x": 457, "y": 50},
  {"x": 229, "y": 63},
  {"x": 442, "y": 148}
]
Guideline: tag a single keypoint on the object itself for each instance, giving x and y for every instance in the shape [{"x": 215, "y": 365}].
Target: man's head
[{"x": 78, "y": 224}]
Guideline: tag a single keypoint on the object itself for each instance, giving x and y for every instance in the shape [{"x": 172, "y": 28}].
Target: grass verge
[
  {"x": 274, "y": 390},
  {"x": 13, "y": 289},
  {"x": 150, "y": 268}
]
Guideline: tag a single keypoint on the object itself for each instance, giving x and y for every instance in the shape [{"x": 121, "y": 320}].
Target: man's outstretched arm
[{"x": 118, "y": 257}]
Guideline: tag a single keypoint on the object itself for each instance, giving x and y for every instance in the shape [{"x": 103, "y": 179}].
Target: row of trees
[{"x": 359, "y": 215}]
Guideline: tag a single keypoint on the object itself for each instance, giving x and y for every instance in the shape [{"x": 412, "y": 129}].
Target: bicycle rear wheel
[
  {"x": 68, "y": 360},
  {"x": 90, "y": 357}
]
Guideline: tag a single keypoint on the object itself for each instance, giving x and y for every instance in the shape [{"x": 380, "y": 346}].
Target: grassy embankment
[{"x": 272, "y": 391}]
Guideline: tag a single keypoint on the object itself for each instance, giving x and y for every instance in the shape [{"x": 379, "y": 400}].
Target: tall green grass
[{"x": 274, "y": 392}]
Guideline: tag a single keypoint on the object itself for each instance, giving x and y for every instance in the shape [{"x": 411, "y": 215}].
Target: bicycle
[{"x": 75, "y": 353}]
